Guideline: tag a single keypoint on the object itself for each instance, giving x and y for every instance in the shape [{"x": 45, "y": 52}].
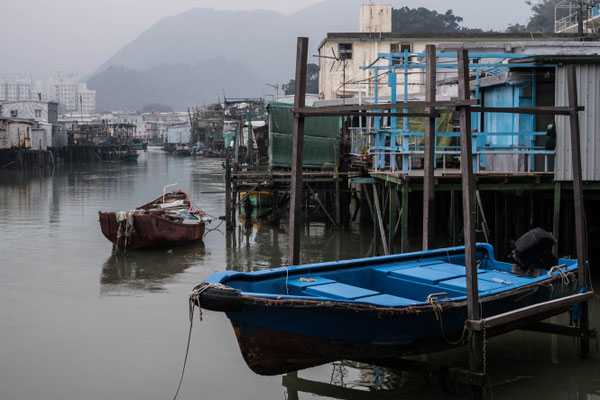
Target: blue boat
[{"x": 375, "y": 309}]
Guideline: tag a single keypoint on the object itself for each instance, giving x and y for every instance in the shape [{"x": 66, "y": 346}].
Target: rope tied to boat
[
  {"x": 434, "y": 300},
  {"x": 193, "y": 300},
  {"x": 564, "y": 276}
]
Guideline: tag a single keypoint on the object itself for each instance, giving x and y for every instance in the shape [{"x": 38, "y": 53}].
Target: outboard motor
[{"x": 533, "y": 252}]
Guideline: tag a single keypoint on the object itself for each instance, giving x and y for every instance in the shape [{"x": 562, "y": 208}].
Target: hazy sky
[{"x": 44, "y": 36}]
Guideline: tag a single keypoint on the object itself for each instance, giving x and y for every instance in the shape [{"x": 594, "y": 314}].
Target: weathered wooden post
[
  {"x": 228, "y": 220},
  {"x": 468, "y": 197},
  {"x": 428, "y": 162},
  {"x": 297, "y": 147},
  {"x": 582, "y": 267}
]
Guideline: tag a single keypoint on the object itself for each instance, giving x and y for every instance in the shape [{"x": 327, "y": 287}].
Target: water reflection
[{"x": 148, "y": 270}]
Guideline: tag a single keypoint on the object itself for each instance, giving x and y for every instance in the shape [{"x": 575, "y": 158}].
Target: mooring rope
[
  {"x": 193, "y": 300},
  {"x": 434, "y": 301},
  {"x": 564, "y": 277}
]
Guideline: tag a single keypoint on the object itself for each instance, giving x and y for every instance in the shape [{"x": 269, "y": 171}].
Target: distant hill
[
  {"x": 191, "y": 58},
  {"x": 179, "y": 86}
]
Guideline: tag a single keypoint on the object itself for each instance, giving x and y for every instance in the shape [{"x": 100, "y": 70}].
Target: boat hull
[
  {"x": 276, "y": 339},
  {"x": 150, "y": 230}
]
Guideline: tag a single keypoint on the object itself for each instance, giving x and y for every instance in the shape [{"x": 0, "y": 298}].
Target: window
[
  {"x": 400, "y": 48},
  {"x": 13, "y": 113},
  {"x": 345, "y": 51},
  {"x": 38, "y": 113}
]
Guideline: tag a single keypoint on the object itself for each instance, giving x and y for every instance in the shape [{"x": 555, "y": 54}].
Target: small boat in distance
[
  {"x": 169, "y": 220},
  {"x": 377, "y": 309}
]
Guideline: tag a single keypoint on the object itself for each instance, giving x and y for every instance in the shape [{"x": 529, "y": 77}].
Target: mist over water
[{"x": 79, "y": 322}]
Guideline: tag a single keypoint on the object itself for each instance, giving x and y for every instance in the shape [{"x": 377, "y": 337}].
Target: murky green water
[{"x": 77, "y": 322}]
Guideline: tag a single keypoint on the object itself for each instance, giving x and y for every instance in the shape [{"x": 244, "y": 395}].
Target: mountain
[{"x": 191, "y": 58}]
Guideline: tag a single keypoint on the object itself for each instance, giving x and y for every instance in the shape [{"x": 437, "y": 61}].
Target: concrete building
[
  {"x": 565, "y": 16},
  {"x": 343, "y": 77},
  {"x": 72, "y": 95},
  {"x": 45, "y": 132},
  {"x": 17, "y": 87},
  {"x": 86, "y": 98},
  {"x": 15, "y": 133}
]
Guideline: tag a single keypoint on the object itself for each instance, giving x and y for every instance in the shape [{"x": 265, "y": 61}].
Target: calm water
[{"x": 77, "y": 322}]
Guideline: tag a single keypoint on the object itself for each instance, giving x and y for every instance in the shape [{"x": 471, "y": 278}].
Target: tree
[
  {"x": 516, "y": 28},
  {"x": 312, "y": 81},
  {"x": 155, "y": 107},
  {"x": 542, "y": 19},
  {"x": 423, "y": 20}
]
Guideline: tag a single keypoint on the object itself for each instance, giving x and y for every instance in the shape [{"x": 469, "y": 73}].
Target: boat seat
[
  {"x": 387, "y": 300},
  {"x": 461, "y": 284},
  {"x": 339, "y": 291},
  {"x": 396, "y": 266},
  {"x": 504, "y": 278},
  {"x": 303, "y": 282}
]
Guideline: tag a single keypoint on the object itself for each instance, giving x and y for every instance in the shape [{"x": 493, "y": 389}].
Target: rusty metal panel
[{"x": 588, "y": 95}]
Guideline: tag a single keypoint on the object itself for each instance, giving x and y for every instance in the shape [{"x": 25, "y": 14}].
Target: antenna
[{"x": 341, "y": 60}]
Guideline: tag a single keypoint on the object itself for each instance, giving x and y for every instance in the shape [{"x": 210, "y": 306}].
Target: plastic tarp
[
  {"x": 444, "y": 124},
  {"x": 320, "y": 138}
]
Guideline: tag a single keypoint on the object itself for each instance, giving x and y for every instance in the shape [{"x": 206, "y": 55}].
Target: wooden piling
[
  {"x": 580, "y": 235},
  {"x": 466, "y": 165},
  {"x": 428, "y": 162},
  {"x": 297, "y": 147},
  {"x": 556, "y": 217},
  {"x": 228, "y": 220}
]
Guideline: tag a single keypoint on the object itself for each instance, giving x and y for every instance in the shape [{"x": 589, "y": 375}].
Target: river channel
[{"x": 77, "y": 322}]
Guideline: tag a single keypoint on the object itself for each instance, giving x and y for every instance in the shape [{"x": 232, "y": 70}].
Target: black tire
[{"x": 218, "y": 299}]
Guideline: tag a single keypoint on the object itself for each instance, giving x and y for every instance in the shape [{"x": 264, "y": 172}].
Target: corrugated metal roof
[{"x": 588, "y": 94}]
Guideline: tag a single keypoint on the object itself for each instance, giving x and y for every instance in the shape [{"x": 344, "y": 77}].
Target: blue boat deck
[{"x": 388, "y": 281}]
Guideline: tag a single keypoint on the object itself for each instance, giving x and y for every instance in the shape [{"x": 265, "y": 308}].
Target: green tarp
[
  {"x": 320, "y": 138},
  {"x": 417, "y": 124}
]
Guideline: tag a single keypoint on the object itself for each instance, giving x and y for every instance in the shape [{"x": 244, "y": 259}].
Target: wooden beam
[
  {"x": 297, "y": 147},
  {"x": 321, "y": 205},
  {"x": 529, "y": 311},
  {"x": 229, "y": 222},
  {"x": 556, "y": 217},
  {"x": 466, "y": 166},
  {"x": 319, "y": 113},
  {"x": 428, "y": 178},
  {"x": 388, "y": 106},
  {"x": 404, "y": 218},
  {"x": 580, "y": 235},
  {"x": 541, "y": 110},
  {"x": 380, "y": 220}
]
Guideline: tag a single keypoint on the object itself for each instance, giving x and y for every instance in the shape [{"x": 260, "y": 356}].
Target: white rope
[
  {"x": 287, "y": 274},
  {"x": 195, "y": 298},
  {"x": 563, "y": 275}
]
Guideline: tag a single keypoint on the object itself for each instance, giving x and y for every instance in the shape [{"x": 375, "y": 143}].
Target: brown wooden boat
[{"x": 167, "y": 221}]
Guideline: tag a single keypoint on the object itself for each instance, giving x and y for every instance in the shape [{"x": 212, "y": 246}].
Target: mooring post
[
  {"x": 556, "y": 217},
  {"x": 297, "y": 147},
  {"x": 392, "y": 217},
  {"x": 582, "y": 267},
  {"x": 468, "y": 196},
  {"x": 228, "y": 220},
  {"x": 428, "y": 162},
  {"x": 404, "y": 218}
]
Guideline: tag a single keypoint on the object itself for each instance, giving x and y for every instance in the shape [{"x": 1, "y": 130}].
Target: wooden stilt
[
  {"x": 428, "y": 177},
  {"x": 381, "y": 227},
  {"x": 404, "y": 222},
  {"x": 392, "y": 218},
  {"x": 556, "y": 217},
  {"x": 580, "y": 234},
  {"x": 466, "y": 166},
  {"x": 228, "y": 220},
  {"x": 297, "y": 148}
]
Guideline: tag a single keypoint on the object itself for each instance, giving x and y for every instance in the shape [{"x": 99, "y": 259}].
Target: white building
[
  {"x": 72, "y": 95},
  {"x": 344, "y": 78},
  {"x": 43, "y": 115},
  {"x": 17, "y": 87},
  {"x": 87, "y": 98}
]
